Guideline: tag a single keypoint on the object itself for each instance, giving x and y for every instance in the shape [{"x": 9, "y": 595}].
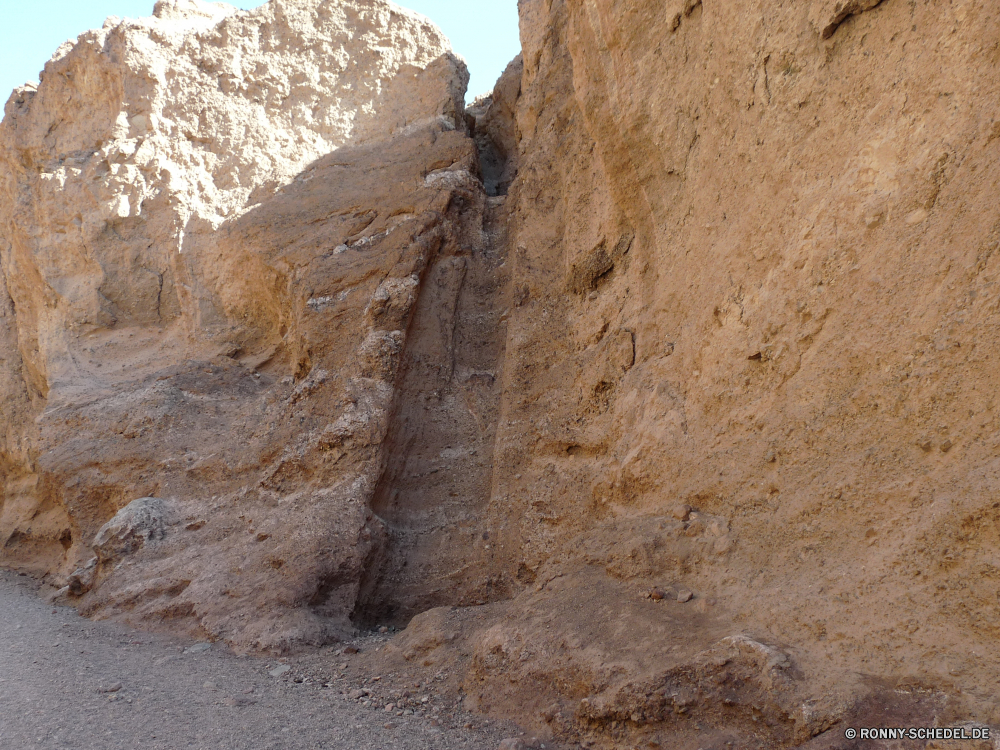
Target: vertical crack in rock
[
  {"x": 696, "y": 396},
  {"x": 437, "y": 485},
  {"x": 210, "y": 314},
  {"x": 495, "y": 130}
]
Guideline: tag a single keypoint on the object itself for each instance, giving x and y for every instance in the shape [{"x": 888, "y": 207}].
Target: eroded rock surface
[
  {"x": 753, "y": 269},
  {"x": 215, "y": 228},
  {"x": 141, "y": 521},
  {"x": 655, "y": 392}
]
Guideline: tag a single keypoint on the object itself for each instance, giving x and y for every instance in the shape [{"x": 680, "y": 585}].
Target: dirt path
[{"x": 66, "y": 682}]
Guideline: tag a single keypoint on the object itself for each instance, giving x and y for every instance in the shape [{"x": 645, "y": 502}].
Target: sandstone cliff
[
  {"x": 215, "y": 224},
  {"x": 753, "y": 269},
  {"x": 675, "y": 357}
]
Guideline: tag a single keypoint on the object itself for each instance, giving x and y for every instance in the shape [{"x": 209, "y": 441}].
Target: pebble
[
  {"x": 198, "y": 648},
  {"x": 114, "y": 687},
  {"x": 238, "y": 702},
  {"x": 513, "y": 743},
  {"x": 684, "y": 596},
  {"x": 659, "y": 593},
  {"x": 680, "y": 511},
  {"x": 280, "y": 670}
]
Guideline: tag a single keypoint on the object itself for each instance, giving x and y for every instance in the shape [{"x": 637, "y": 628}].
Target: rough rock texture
[
  {"x": 214, "y": 225},
  {"x": 138, "y": 523},
  {"x": 677, "y": 356},
  {"x": 753, "y": 270},
  {"x": 496, "y": 130}
]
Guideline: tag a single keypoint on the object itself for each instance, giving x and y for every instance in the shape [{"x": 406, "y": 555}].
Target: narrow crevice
[
  {"x": 435, "y": 490},
  {"x": 434, "y": 493},
  {"x": 495, "y": 131}
]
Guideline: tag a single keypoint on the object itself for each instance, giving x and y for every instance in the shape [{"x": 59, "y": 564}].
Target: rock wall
[
  {"x": 671, "y": 363},
  {"x": 215, "y": 228},
  {"x": 751, "y": 349}
]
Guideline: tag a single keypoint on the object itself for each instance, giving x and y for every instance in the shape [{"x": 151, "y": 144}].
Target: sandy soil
[{"x": 66, "y": 682}]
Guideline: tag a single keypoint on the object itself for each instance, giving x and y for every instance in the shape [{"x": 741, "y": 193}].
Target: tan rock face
[
  {"x": 215, "y": 225},
  {"x": 693, "y": 391},
  {"x": 753, "y": 268}
]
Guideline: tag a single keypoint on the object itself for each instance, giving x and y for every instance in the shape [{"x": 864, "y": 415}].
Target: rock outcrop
[
  {"x": 753, "y": 266},
  {"x": 655, "y": 392},
  {"x": 215, "y": 226}
]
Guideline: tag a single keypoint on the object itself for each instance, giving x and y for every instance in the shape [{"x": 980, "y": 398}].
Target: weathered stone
[
  {"x": 827, "y": 15},
  {"x": 193, "y": 300},
  {"x": 82, "y": 579},
  {"x": 135, "y": 525},
  {"x": 736, "y": 256}
]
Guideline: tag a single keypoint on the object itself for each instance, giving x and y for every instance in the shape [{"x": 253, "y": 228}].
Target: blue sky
[{"x": 484, "y": 32}]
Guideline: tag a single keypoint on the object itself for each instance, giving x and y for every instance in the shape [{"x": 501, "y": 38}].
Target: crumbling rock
[
  {"x": 495, "y": 130},
  {"x": 700, "y": 300},
  {"x": 138, "y": 523},
  {"x": 737, "y": 674},
  {"x": 827, "y": 15},
  {"x": 196, "y": 307},
  {"x": 769, "y": 181}
]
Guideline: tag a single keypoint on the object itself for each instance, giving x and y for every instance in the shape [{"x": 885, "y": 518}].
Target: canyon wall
[
  {"x": 655, "y": 393},
  {"x": 751, "y": 353},
  {"x": 215, "y": 226}
]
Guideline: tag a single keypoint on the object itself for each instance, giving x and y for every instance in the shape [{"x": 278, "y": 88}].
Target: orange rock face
[
  {"x": 694, "y": 419},
  {"x": 754, "y": 261},
  {"x": 210, "y": 274}
]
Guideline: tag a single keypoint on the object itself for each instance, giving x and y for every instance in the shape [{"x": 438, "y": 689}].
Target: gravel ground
[{"x": 66, "y": 682}]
